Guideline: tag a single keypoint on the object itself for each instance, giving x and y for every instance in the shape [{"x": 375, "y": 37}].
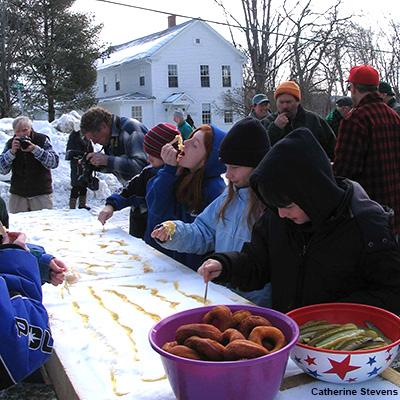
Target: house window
[
  {"x": 141, "y": 77},
  {"x": 196, "y": 41},
  {"x": 137, "y": 113},
  {"x": 206, "y": 113},
  {"x": 104, "y": 84},
  {"x": 205, "y": 76},
  {"x": 172, "y": 75},
  {"x": 226, "y": 76},
  {"x": 117, "y": 82},
  {"x": 228, "y": 116}
]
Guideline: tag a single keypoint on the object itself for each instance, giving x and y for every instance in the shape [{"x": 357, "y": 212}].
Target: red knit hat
[
  {"x": 364, "y": 75},
  {"x": 157, "y": 137}
]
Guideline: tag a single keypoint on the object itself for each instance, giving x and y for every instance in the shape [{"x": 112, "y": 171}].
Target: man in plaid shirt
[{"x": 368, "y": 142}]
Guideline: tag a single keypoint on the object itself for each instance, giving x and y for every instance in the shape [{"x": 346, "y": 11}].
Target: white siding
[{"x": 188, "y": 56}]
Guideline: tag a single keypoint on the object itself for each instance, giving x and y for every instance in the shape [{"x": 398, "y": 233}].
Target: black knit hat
[
  {"x": 344, "y": 101},
  {"x": 385, "y": 87},
  {"x": 245, "y": 144}
]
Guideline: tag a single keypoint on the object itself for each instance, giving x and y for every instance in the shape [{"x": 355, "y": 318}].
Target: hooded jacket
[
  {"x": 162, "y": 204},
  {"x": 26, "y": 341},
  {"x": 347, "y": 251}
]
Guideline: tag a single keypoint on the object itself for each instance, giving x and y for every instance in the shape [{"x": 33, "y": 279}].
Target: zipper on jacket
[{"x": 300, "y": 279}]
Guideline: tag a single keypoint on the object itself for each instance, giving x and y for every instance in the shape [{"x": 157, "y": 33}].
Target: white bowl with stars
[{"x": 347, "y": 366}]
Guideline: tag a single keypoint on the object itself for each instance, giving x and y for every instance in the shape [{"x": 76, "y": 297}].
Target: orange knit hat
[{"x": 288, "y": 87}]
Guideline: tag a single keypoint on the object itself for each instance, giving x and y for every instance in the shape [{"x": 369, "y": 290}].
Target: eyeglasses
[{"x": 348, "y": 87}]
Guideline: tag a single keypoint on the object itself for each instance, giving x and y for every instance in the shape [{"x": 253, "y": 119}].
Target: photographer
[
  {"x": 30, "y": 157},
  {"x": 77, "y": 147},
  {"x": 122, "y": 140}
]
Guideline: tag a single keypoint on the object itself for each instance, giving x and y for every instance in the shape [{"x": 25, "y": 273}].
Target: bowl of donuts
[
  {"x": 225, "y": 352},
  {"x": 345, "y": 342}
]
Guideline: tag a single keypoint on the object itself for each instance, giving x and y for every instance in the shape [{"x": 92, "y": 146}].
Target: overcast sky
[{"x": 122, "y": 24}]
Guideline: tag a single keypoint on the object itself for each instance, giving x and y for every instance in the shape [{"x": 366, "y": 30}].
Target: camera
[
  {"x": 88, "y": 176},
  {"x": 25, "y": 142}
]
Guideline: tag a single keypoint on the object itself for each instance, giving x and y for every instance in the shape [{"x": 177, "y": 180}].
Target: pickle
[
  {"x": 330, "y": 332},
  {"x": 345, "y": 337}
]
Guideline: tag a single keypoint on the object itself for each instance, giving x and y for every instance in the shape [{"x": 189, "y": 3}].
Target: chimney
[{"x": 171, "y": 21}]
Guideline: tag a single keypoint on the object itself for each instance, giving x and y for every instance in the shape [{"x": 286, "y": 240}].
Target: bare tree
[
  {"x": 266, "y": 36},
  {"x": 389, "y": 60},
  {"x": 315, "y": 34}
]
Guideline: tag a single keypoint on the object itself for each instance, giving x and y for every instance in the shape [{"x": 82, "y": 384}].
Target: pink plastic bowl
[
  {"x": 256, "y": 379},
  {"x": 347, "y": 366}
]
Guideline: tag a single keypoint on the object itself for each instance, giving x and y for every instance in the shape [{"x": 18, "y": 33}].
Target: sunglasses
[{"x": 349, "y": 87}]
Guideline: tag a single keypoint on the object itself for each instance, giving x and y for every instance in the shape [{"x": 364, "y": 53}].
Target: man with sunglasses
[{"x": 368, "y": 144}]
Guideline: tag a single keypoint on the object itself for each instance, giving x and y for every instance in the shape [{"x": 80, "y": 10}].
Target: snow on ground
[
  {"x": 58, "y": 132},
  {"x": 100, "y": 323}
]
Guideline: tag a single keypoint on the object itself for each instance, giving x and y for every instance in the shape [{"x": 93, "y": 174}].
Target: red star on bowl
[
  {"x": 310, "y": 360},
  {"x": 341, "y": 368}
]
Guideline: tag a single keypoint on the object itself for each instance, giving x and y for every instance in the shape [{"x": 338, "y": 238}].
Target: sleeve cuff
[{"x": 10, "y": 155}]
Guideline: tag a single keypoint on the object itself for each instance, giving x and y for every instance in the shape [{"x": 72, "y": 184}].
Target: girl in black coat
[{"x": 322, "y": 239}]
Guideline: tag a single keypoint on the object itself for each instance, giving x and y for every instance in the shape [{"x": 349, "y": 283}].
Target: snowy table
[{"x": 100, "y": 324}]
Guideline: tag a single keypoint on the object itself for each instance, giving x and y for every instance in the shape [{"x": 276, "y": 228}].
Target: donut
[
  {"x": 220, "y": 317},
  {"x": 268, "y": 336},
  {"x": 208, "y": 349},
  {"x": 243, "y": 349},
  {"x": 169, "y": 345},
  {"x": 202, "y": 330},
  {"x": 184, "y": 351},
  {"x": 247, "y": 324},
  {"x": 230, "y": 335},
  {"x": 240, "y": 315}
]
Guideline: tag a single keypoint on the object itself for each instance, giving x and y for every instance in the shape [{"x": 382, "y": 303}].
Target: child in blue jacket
[
  {"x": 52, "y": 270},
  {"x": 189, "y": 181},
  {"x": 26, "y": 342},
  {"x": 134, "y": 194},
  {"x": 226, "y": 224}
]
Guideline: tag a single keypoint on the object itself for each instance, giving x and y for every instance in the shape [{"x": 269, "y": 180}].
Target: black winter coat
[
  {"x": 346, "y": 253},
  {"x": 305, "y": 119},
  {"x": 77, "y": 146}
]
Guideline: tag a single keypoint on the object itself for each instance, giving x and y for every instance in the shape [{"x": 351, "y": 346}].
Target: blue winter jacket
[
  {"x": 208, "y": 233},
  {"x": 26, "y": 341},
  {"x": 134, "y": 195},
  {"x": 43, "y": 260},
  {"x": 162, "y": 204}
]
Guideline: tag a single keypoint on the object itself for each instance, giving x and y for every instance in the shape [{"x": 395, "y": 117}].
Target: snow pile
[
  {"x": 101, "y": 323},
  {"x": 58, "y": 132},
  {"x": 68, "y": 122}
]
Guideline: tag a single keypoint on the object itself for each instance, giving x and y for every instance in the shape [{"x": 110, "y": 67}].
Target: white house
[{"x": 187, "y": 66}]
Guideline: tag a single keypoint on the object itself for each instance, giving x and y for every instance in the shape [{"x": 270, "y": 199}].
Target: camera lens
[{"x": 25, "y": 144}]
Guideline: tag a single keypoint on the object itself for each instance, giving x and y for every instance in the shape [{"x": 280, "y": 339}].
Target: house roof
[
  {"x": 126, "y": 97},
  {"x": 178, "y": 98},
  {"x": 141, "y": 48}
]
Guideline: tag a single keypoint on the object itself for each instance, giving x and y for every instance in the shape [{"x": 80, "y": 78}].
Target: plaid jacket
[{"x": 368, "y": 151}]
